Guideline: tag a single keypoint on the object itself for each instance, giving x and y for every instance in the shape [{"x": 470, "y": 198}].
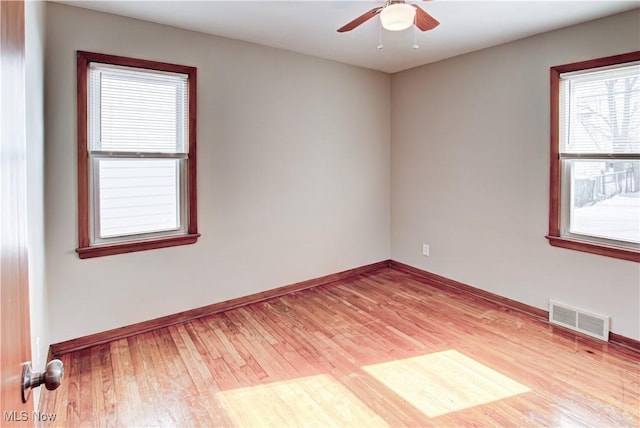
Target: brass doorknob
[{"x": 51, "y": 377}]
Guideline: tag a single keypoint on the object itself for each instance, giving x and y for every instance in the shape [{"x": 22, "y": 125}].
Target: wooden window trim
[
  {"x": 85, "y": 249},
  {"x": 555, "y": 177}
]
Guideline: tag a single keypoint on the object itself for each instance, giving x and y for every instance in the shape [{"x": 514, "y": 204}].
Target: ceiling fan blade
[
  {"x": 424, "y": 21},
  {"x": 360, "y": 20}
]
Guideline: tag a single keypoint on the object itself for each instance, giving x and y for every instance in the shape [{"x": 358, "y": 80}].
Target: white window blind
[
  {"x": 138, "y": 144},
  {"x": 136, "y": 110},
  {"x": 600, "y": 111}
]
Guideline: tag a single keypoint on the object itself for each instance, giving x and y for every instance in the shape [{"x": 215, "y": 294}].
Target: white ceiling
[{"x": 309, "y": 27}]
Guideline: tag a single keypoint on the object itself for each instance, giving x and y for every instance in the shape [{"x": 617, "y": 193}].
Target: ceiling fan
[{"x": 396, "y": 15}]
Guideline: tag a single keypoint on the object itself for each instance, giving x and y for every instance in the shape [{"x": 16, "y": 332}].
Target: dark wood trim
[
  {"x": 625, "y": 342},
  {"x": 192, "y": 181},
  {"x": 137, "y": 63},
  {"x": 554, "y": 157},
  {"x": 85, "y": 249},
  {"x": 598, "y": 62},
  {"x": 83, "y": 151},
  {"x": 539, "y": 314},
  {"x": 58, "y": 349},
  {"x": 588, "y": 247},
  {"x": 107, "y": 336},
  {"x": 555, "y": 177},
  {"x": 133, "y": 246},
  {"x": 442, "y": 281}
]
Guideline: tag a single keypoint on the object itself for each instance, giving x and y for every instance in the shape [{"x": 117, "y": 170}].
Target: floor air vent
[{"x": 576, "y": 319}]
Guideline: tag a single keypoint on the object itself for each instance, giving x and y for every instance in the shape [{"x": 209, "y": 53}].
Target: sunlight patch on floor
[
  {"x": 314, "y": 401},
  {"x": 444, "y": 382}
]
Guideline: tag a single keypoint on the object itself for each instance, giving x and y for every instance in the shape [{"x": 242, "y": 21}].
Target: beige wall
[
  {"x": 470, "y": 167},
  {"x": 293, "y": 163},
  {"x": 294, "y": 174}
]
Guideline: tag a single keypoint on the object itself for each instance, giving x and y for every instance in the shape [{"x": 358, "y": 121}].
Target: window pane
[
  {"x": 605, "y": 201},
  {"x": 601, "y": 111},
  {"x": 137, "y": 111},
  {"x": 138, "y": 196}
]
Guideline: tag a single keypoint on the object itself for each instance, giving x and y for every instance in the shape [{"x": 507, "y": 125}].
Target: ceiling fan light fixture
[{"x": 397, "y": 16}]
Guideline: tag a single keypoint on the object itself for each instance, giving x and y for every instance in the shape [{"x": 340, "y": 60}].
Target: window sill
[
  {"x": 134, "y": 246},
  {"x": 600, "y": 249}
]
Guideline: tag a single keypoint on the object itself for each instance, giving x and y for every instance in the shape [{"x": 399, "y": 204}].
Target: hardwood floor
[{"x": 380, "y": 349}]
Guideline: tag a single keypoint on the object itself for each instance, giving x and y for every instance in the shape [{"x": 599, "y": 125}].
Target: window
[
  {"x": 595, "y": 156},
  {"x": 136, "y": 155}
]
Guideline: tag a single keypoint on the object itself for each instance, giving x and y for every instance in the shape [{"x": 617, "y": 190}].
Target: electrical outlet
[{"x": 425, "y": 250}]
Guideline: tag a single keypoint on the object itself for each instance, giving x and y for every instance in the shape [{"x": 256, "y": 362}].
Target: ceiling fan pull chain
[
  {"x": 380, "y": 45},
  {"x": 415, "y": 33}
]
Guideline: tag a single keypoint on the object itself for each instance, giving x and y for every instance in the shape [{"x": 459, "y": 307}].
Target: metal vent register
[{"x": 579, "y": 320}]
